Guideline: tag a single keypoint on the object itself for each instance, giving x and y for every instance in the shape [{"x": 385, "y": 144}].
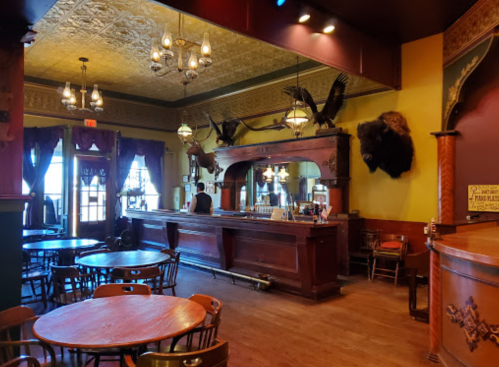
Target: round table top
[
  {"x": 119, "y": 322},
  {"x": 123, "y": 259},
  {"x": 36, "y": 232},
  {"x": 54, "y": 245}
]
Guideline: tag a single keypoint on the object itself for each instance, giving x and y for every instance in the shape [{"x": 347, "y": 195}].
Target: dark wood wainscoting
[{"x": 412, "y": 230}]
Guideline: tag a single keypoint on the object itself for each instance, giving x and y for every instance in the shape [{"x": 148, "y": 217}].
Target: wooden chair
[
  {"x": 363, "y": 256},
  {"x": 80, "y": 285},
  {"x": 417, "y": 270},
  {"x": 205, "y": 334},
  {"x": 24, "y": 360},
  {"x": 15, "y": 327},
  {"x": 100, "y": 276},
  {"x": 31, "y": 276},
  {"x": 170, "y": 270},
  {"x": 389, "y": 248},
  {"x": 121, "y": 289},
  {"x": 215, "y": 356},
  {"x": 130, "y": 275}
]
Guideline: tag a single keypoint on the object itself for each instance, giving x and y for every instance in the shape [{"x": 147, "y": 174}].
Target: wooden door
[{"x": 92, "y": 197}]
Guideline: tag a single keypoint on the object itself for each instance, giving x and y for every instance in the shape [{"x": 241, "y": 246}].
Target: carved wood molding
[
  {"x": 435, "y": 306},
  {"x": 473, "y": 26}
]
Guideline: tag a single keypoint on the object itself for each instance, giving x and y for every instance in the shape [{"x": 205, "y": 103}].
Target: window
[
  {"x": 138, "y": 191},
  {"x": 93, "y": 201},
  {"x": 52, "y": 208}
]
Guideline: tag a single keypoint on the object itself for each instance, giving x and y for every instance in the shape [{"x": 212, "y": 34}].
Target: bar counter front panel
[{"x": 300, "y": 257}]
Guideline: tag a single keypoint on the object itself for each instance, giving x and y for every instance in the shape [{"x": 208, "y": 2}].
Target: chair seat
[{"x": 35, "y": 275}]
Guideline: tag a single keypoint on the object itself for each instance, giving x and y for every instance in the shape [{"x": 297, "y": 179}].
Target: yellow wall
[{"x": 413, "y": 197}]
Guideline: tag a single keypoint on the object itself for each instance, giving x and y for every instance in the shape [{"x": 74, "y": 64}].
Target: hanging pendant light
[
  {"x": 297, "y": 116},
  {"x": 269, "y": 174},
  {"x": 184, "y": 132},
  {"x": 283, "y": 175}
]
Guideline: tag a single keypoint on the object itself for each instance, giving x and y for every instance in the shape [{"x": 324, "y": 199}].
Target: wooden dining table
[
  {"x": 119, "y": 322},
  {"x": 123, "y": 259},
  {"x": 37, "y": 232},
  {"x": 61, "y": 244}
]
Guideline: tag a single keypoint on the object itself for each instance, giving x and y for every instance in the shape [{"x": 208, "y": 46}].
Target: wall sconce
[
  {"x": 304, "y": 14},
  {"x": 328, "y": 26}
]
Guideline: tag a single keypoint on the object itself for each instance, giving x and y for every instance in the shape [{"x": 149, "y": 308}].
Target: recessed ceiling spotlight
[
  {"x": 303, "y": 18},
  {"x": 328, "y": 27},
  {"x": 280, "y": 2}
]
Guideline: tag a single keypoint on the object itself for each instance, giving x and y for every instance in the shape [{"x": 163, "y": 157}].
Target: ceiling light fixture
[
  {"x": 184, "y": 132},
  {"x": 167, "y": 54},
  {"x": 297, "y": 116},
  {"x": 303, "y": 18},
  {"x": 283, "y": 175},
  {"x": 69, "y": 95},
  {"x": 280, "y": 2},
  {"x": 328, "y": 27},
  {"x": 269, "y": 174}
]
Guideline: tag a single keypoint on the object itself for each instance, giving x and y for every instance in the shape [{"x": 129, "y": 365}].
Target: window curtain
[
  {"x": 46, "y": 139},
  {"x": 91, "y": 168},
  {"x": 153, "y": 152},
  {"x": 85, "y": 137}
]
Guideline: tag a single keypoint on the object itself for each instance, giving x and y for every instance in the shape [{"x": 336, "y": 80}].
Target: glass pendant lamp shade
[
  {"x": 166, "y": 40},
  {"x": 283, "y": 175},
  {"x": 297, "y": 118},
  {"x": 184, "y": 133},
  {"x": 193, "y": 61},
  {"x": 95, "y": 93},
  {"x": 269, "y": 174},
  {"x": 206, "y": 47},
  {"x": 155, "y": 55},
  {"x": 67, "y": 91}
]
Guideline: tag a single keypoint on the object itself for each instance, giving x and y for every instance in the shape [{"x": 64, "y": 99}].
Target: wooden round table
[
  {"x": 123, "y": 259},
  {"x": 56, "y": 245},
  {"x": 37, "y": 232},
  {"x": 119, "y": 322}
]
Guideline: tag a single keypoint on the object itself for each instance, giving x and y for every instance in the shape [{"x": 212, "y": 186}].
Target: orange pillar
[
  {"x": 336, "y": 200},
  {"x": 226, "y": 199},
  {"x": 435, "y": 307},
  {"x": 446, "y": 141}
]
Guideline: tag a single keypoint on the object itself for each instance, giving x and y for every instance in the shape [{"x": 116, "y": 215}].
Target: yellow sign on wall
[{"x": 483, "y": 198}]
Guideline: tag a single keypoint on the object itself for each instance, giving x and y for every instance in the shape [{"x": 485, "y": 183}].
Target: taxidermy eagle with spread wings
[
  {"x": 226, "y": 135},
  {"x": 333, "y": 105}
]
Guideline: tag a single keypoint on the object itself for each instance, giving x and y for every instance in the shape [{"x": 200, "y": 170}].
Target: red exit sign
[{"x": 90, "y": 123}]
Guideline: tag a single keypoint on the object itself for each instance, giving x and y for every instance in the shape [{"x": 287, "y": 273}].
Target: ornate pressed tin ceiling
[{"x": 116, "y": 36}]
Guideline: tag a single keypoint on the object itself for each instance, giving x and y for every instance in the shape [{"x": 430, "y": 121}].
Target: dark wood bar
[{"x": 300, "y": 257}]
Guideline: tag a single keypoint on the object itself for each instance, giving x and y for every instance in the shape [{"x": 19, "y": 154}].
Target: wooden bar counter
[
  {"x": 464, "y": 299},
  {"x": 300, "y": 257}
]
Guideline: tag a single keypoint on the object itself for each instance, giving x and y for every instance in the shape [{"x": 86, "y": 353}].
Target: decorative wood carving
[
  {"x": 446, "y": 175},
  {"x": 476, "y": 24},
  {"x": 435, "y": 306},
  {"x": 330, "y": 153},
  {"x": 467, "y": 317}
]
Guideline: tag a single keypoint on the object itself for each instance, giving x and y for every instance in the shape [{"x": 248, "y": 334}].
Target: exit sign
[{"x": 90, "y": 123}]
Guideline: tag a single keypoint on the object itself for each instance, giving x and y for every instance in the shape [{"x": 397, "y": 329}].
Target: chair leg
[
  {"x": 396, "y": 273},
  {"x": 44, "y": 294},
  {"x": 173, "y": 292},
  {"x": 374, "y": 270},
  {"x": 32, "y": 284}
]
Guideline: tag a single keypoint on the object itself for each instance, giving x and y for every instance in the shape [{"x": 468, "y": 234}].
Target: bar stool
[{"x": 390, "y": 248}]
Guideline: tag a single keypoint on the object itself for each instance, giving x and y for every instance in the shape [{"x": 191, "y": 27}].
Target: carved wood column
[
  {"x": 11, "y": 150},
  {"x": 446, "y": 141},
  {"x": 435, "y": 306},
  {"x": 226, "y": 197}
]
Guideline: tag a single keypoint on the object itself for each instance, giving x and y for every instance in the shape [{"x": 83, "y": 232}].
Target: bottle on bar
[{"x": 316, "y": 213}]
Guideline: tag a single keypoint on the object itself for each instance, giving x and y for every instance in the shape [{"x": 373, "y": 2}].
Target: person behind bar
[{"x": 201, "y": 203}]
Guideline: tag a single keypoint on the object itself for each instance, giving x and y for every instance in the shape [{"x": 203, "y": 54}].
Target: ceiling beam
[
  {"x": 346, "y": 49},
  {"x": 17, "y": 15}
]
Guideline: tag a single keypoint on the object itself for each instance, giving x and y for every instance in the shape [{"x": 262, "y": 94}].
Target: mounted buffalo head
[{"x": 385, "y": 145}]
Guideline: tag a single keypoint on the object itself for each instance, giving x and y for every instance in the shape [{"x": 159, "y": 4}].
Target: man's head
[{"x": 200, "y": 186}]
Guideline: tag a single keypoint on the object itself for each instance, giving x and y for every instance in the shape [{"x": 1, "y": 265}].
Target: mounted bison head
[{"x": 386, "y": 143}]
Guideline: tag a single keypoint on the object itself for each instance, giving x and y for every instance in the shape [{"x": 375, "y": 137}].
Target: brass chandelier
[
  {"x": 166, "y": 54},
  {"x": 69, "y": 95}
]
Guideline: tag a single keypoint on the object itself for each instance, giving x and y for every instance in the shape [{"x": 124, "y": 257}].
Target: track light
[
  {"x": 280, "y": 2},
  {"x": 328, "y": 28},
  {"x": 303, "y": 18},
  {"x": 304, "y": 14}
]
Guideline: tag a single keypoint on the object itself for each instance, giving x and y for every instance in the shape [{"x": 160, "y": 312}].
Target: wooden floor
[{"x": 368, "y": 326}]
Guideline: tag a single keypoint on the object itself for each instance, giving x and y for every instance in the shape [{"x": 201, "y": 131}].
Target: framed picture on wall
[
  {"x": 185, "y": 178},
  {"x": 188, "y": 188},
  {"x": 210, "y": 187}
]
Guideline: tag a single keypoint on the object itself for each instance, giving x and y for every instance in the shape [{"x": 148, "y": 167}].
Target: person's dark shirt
[{"x": 202, "y": 204}]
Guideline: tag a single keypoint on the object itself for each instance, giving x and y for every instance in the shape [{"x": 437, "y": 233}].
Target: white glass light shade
[
  {"x": 283, "y": 175},
  {"x": 67, "y": 91},
  {"x": 303, "y": 18},
  {"x": 269, "y": 174},
  {"x": 95, "y": 93},
  {"x": 184, "y": 133},
  {"x": 193, "y": 61},
  {"x": 155, "y": 54},
  {"x": 99, "y": 101},
  {"x": 328, "y": 28},
  {"x": 72, "y": 98},
  {"x": 206, "y": 47},
  {"x": 297, "y": 118},
  {"x": 166, "y": 40}
]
